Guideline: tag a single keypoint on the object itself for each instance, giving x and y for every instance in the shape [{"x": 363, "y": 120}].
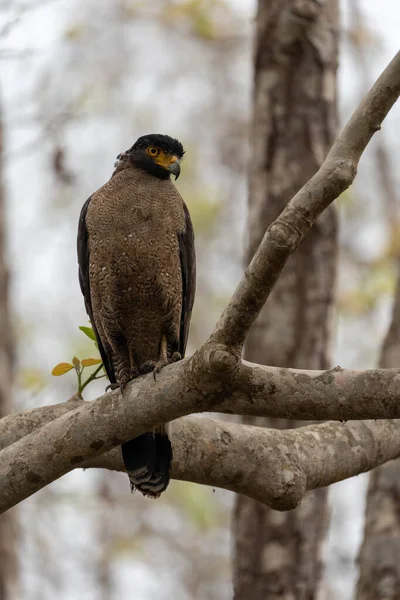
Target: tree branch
[
  {"x": 274, "y": 467},
  {"x": 261, "y": 391},
  {"x": 60, "y": 438},
  {"x": 335, "y": 394},
  {"x": 284, "y": 235}
]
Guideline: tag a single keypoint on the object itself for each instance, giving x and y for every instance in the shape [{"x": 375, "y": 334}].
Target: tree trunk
[
  {"x": 105, "y": 519},
  {"x": 8, "y": 522},
  {"x": 278, "y": 555},
  {"x": 379, "y": 562},
  {"x": 379, "y": 577}
]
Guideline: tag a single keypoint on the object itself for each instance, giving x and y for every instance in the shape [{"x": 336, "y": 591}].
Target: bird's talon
[
  {"x": 157, "y": 369},
  {"x": 135, "y": 373},
  {"x": 112, "y": 387},
  {"x": 150, "y": 366},
  {"x": 147, "y": 367}
]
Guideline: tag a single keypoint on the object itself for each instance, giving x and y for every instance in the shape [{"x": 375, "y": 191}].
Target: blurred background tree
[
  {"x": 294, "y": 124},
  {"x": 80, "y": 82},
  {"x": 8, "y": 521}
]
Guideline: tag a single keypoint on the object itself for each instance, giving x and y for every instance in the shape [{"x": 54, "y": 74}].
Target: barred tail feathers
[{"x": 147, "y": 459}]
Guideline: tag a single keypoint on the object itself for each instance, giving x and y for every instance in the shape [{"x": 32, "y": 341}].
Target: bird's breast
[{"x": 133, "y": 239}]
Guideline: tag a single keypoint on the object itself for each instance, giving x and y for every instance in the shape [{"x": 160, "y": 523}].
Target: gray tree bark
[
  {"x": 8, "y": 522},
  {"x": 379, "y": 577},
  {"x": 294, "y": 124},
  {"x": 379, "y": 565}
]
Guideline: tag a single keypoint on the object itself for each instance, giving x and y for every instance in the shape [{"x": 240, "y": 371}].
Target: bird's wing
[
  {"x": 188, "y": 270},
  {"x": 83, "y": 262}
]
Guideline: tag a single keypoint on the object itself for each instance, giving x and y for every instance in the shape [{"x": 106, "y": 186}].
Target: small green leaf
[
  {"x": 88, "y": 331},
  {"x": 89, "y": 362},
  {"x": 61, "y": 368},
  {"x": 76, "y": 362}
]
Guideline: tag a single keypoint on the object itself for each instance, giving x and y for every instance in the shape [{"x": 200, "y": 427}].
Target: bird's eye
[{"x": 153, "y": 151}]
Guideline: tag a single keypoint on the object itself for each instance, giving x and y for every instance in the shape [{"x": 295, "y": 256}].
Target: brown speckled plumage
[
  {"x": 137, "y": 274},
  {"x": 134, "y": 270}
]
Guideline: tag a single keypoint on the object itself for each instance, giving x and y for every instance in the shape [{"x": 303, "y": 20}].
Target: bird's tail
[{"x": 147, "y": 459}]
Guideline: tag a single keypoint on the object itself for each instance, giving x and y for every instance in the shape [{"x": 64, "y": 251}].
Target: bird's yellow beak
[
  {"x": 175, "y": 166},
  {"x": 169, "y": 163}
]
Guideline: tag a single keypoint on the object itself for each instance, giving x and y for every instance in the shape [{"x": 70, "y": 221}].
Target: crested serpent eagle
[{"x": 137, "y": 274}]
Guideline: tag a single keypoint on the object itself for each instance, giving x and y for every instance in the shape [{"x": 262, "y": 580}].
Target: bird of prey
[{"x": 137, "y": 274}]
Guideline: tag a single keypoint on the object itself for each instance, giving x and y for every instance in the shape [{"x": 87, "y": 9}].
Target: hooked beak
[{"x": 175, "y": 168}]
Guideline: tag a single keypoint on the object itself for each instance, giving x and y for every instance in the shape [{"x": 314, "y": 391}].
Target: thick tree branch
[
  {"x": 86, "y": 429},
  {"x": 284, "y": 235},
  {"x": 274, "y": 467},
  {"x": 335, "y": 394}
]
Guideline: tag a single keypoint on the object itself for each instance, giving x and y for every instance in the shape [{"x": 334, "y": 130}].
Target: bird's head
[{"x": 159, "y": 155}]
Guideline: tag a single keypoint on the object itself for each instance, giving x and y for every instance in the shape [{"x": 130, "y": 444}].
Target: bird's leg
[
  {"x": 152, "y": 366},
  {"x": 122, "y": 373}
]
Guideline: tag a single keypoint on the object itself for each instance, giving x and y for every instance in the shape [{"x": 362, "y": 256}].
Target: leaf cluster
[{"x": 80, "y": 365}]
